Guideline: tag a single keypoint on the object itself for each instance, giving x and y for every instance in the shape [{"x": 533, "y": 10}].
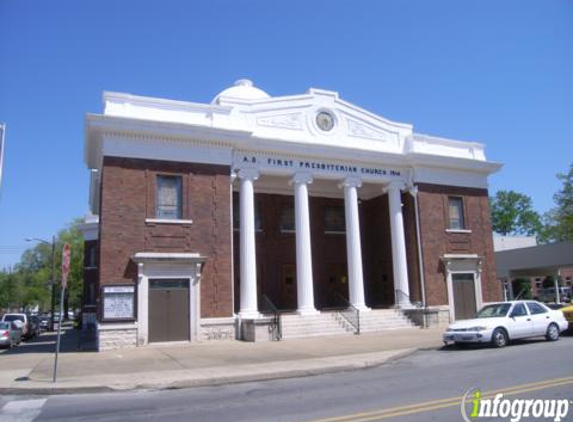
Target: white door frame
[
  {"x": 167, "y": 266},
  {"x": 463, "y": 264}
]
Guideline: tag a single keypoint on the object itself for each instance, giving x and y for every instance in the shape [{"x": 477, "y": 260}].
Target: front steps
[
  {"x": 333, "y": 323},
  {"x": 384, "y": 319},
  {"x": 323, "y": 324}
]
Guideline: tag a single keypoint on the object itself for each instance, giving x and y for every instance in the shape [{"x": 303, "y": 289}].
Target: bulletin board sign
[{"x": 118, "y": 303}]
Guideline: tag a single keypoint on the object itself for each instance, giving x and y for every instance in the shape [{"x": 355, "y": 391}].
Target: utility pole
[{"x": 53, "y": 283}]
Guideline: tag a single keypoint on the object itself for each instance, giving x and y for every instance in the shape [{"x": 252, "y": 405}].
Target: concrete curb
[{"x": 219, "y": 376}]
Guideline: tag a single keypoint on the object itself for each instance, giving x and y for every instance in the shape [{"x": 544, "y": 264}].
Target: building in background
[
  {"x": 528, "y": 270},
  {"x": 208, "y": 218}
]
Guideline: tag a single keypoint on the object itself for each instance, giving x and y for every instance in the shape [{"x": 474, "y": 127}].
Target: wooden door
[
  {"x": 464, "y": 295},
  {"x": 169, "y": 313}
]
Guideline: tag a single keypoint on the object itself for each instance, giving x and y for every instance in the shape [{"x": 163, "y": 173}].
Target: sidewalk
[{"x": 28, "y": 369}]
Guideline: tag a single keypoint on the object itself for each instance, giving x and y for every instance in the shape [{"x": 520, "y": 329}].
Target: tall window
[
  {"x": 334, "y": 221},
  {"x": 169, "y": 197},
  {"x": 287, "y": 219},
  {"x": 456, "y": 213}
]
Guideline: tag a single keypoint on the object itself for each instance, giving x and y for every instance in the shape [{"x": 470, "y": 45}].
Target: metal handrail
[
  {"x": 521, "y": 293},
  {"x": 351, "y": 314},
  {"x": 276, "y": 326}
]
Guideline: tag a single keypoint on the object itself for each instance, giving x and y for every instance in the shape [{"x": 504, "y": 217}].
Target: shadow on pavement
[
  {"x": 46, "y": 343},
  {"x": 514, "y": 343}
]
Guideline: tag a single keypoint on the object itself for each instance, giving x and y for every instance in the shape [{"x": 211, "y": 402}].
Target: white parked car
[{"x": 499, "y": 323}]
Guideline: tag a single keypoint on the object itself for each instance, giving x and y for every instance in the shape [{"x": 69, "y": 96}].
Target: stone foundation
[
  {"x": 216, "y": 329},
  {"x": 437, "y": 316},
  {"x": 257, "y": 329},
  {"x": 116, "y": 336}
]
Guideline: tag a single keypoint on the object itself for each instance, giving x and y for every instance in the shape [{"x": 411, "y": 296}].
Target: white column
[
  {"x": 142, "y": 306},
  {"x": 249, "y": 307},
  {"x": 399, "y": 261},
  {"x": 353, "y": 246},
  {"x": 304, "y": 281}
]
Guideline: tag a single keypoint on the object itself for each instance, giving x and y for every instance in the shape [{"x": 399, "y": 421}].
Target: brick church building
[{"x": 298, "y": 215}]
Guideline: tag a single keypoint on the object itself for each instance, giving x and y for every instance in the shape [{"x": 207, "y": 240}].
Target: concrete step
[
  {"x": 326, "y": 323},
  {"x": 384, "y": 319},
  {"x": 333, "y": 323}
]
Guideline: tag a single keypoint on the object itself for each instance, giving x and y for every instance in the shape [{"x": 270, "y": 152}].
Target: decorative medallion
[{"x": 325, "y": 121}]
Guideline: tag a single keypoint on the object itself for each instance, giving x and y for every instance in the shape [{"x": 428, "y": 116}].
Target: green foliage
[
  {"x": 548, "y": 282},
  {"x": 559, "y": 220},
  {"x": 512, "y": 214},
  {"x": 29, "y": 284},
  {"x": 522, "y": 287}
]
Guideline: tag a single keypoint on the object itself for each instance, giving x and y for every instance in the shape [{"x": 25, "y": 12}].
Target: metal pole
[
  {"x": 53, "y": 283},
  {"x": 556, "y": 284},
  {"x": 59, "y": 334}
]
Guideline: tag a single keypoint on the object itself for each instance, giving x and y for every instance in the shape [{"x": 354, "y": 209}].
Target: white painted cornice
[{"x": 153, "y": 128}]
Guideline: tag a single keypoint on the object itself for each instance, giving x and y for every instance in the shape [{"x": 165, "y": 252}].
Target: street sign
[{"x": 65, "y": 264}]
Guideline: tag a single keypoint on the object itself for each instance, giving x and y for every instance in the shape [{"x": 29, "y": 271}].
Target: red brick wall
[
  {"x": 433, "y": 204},
  {"x": 276, "y": 254},
  {"x": 128, "y": 198}
]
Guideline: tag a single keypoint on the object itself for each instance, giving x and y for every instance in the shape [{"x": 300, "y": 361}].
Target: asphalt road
[{"x": 426, "y": 386}]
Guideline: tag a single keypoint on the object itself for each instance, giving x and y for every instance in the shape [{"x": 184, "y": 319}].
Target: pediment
[{"x": 295, "y": 117}]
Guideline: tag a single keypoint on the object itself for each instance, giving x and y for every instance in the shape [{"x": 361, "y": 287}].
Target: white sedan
[{"x": 499, "y": 323}]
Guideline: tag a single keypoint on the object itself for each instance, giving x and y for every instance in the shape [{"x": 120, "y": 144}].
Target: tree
[
  {"x": 28, "y": 285},
  {"x": 559, "y": 220},
  {"x": 74, "y": 238},
  {"x": 512, "y": 214}
]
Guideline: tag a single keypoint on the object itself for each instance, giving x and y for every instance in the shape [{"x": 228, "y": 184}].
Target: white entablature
[
  {"x": 246, "y": 112},
  {"x": 317, "y": 128}
]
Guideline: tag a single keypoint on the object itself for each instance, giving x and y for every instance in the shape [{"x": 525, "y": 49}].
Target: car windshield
[
  {"x": 13, "y": 318},
  {"x": 494, "y": 311}
]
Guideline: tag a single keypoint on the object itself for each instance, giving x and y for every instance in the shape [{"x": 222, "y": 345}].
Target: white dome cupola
[{"x": 242, "y": 89}]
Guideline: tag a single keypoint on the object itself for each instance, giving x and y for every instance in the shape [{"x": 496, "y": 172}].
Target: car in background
[
  {"x": 44, "y": 323},
  {"x": 20, "y": 319},
  {"x": 10, "y": 334},
  {"x": 33, "y": 327},
  {"x": 29, "y": 325},
  {"x": 568, "y": 314},
  {"x": 548, "y": 294},
  {"x": 499, "y": 323}
]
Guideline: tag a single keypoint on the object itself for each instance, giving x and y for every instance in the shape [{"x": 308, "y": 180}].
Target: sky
[{"x": 493, "y": 71}]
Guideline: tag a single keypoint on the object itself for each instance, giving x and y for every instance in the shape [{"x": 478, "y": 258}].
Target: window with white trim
[
  {"x": 456, "y": 213},
  {"x": 169, "y": 198}
]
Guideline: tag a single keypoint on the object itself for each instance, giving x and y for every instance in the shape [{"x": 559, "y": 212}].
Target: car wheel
[
  {"x": 552, "y": 332},
  {"x": 499, "y": 338}
]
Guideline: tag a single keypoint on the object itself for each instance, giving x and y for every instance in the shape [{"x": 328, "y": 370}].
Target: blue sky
[{"x": 498, "y": 72}]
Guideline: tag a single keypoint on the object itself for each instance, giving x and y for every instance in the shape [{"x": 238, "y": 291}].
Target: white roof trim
[
  {"x": 461, "y": 256},
  {"x": 168, "y": 256}
]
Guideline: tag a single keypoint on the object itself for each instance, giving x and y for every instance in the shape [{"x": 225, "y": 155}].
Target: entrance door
[
  {"x": 288, "y": 287},
  {"x": 337, "y": 291},
  {"x": 464, "y": 295},
  {"x": 169, "y": 316}
]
